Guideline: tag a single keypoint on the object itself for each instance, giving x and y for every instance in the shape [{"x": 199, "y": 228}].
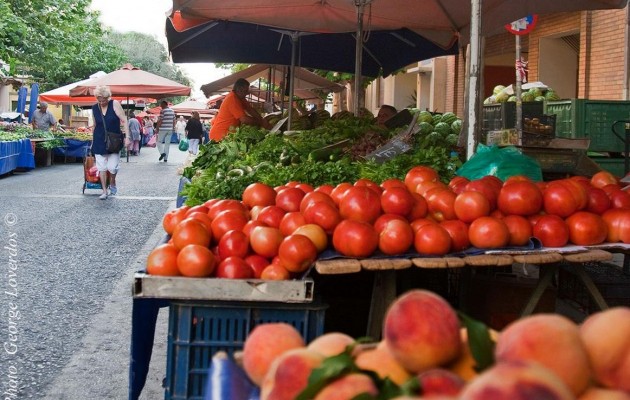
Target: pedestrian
[
  {"x": 206, "y": 132},
  {"x": 109, "y": 116},
  {"x": 236, "y": 110},
  {"x": 134, "y": 134},
  {"x": 194, "y": 133},
  {"x": 43, "y": 120},
  {"x": 147, "y": 131},
  {"x": 180, "y": 128},
  {"x": 165, "y": 126}
]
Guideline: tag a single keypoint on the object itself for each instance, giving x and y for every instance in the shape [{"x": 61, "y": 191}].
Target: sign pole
[{"x": 519, "y": 102}]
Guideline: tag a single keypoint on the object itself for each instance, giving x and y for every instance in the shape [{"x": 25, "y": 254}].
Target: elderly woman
[{"x": 108, "y": 117}]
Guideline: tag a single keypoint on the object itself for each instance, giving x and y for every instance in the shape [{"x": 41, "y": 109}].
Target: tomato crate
[
  {"x": 609, "y": 279},
  {"x": 199, "y": 329}
]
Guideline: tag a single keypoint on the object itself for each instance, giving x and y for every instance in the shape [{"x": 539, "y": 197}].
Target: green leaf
[
  {"x": 479, "y": 341},
  {"x": 331, "y": 368}
]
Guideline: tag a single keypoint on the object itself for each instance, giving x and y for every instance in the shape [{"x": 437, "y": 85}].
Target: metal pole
[
  {"x": 517, "y": 91},
  {"x": 358, "y": 84},
  {"x": 294, "y": 39},
  {"x": 474, "y": 75}
]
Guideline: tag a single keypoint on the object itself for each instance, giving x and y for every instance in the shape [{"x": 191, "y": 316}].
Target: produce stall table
[
  {"x": 73, "y": 148},
  {"x": 16, "y": 154}
]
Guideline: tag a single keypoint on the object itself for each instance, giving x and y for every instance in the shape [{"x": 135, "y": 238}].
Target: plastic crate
[
  {"x": 197, "y": 330},
  {"x": 554, "y": 160},
  {"x": 593, "y": 119},
  {"x": 609, "y": 279},
  {"x": 616, "y": 166},
  {"x": 503, "y": 115}
]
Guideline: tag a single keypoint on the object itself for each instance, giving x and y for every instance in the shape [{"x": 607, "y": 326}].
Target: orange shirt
[{"x": 229, "y": 115}]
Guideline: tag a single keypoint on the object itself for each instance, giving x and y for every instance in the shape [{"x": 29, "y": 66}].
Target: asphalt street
[{"x": 66, "y": 271}]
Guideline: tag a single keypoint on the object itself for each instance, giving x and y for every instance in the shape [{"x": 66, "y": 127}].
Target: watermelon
[
  {"x": 449, "y": 117},
  {"x": 425, "y": 116},
  {"x": 443, "y": 128},
  {"x": 535, "y": 92},
  {"x": 551, "y": 95},
  {"x": 452, "y": 139},
  {"x": 437, "y": 118},
  {"x": 527, "y": 96},
  {"x": 498, "y": 89},
  {"x": 425, "y": 128},
  {"x": 434, "y": 137},
  {"x": 456, "y": 126},
  {"x": 502, "y": 97},
  {"x": 511, "y": 99},
  {"x": 539, "y": 98}
]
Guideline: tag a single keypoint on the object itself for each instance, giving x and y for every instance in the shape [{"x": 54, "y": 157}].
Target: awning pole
[
  {"x": 473, "y": 77},
  {"x": 358, "y": 57},
  {"x": 294, "y": 39}
]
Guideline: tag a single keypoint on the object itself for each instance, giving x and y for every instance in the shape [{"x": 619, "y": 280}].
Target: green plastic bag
[
  {"x": 183, "y": 144},
  {"x": 501, "y": 162}
]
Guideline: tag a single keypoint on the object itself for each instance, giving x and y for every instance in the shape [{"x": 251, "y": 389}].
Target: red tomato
[
  {"x": 172, "y": 218},
  {"x": 420, "y": 222},
  {"x": 259, "y": 194},
  {"x": 323, "y": 214},
  {"x": 516, "y": 178},
  {"x": 419, "y": 209},
  {"x": 420, "y": 174},
  {"x": 551, "y": 230},
  {"x": 432, "y": 239},
  {"x": 558, "y": 200},
  {"x": 579, "y": 192},
  {"x": 265, "y": 240},
  {"x": 223, "y": 205},
  {"x": 275, "y": 273},
  {"x": 441, "y": 204},
  {"x": 292, "y": 184},
  {"x": 489, "y": 232},
  {"x": 196, "y": 261},
  {"x": 392, "y": 182},
  {"x": 297, "y": 253},
  {"x": 458, "y": 183},
  {"x": 598, "y": 200},
  {"x": 234, "y": 268},
  {"x": 397, "y": 200},
  {"x": 458, "y": 231},
  {"x": 251, "y": 224},
  {"x": 233, "y": 243},
  {"x": 305, "y": 187},
  {"x": 396, "y": 237},
  {"x": 200, "y": 208},
  {"x": 620, "y": 199},
  {"x": 370, "y": 184},
  {"x": 316, "y": 233},
  {"x": 203, "y": 218},
  {"x": 210, "y": 203},
  {"x": 618, "y": 222},
  {"x": 424, "y": 188},
  {"x": 520, "y": 198},
  {"x": 360, "y": 203},
  {"x": 289, "y": 199},
  {"x": 191, "y": 231},
  {"x": 314, "y": 197},
  {"x": 253, "y": 213},
  {"x": 326, "y": 188},
  {"x": 162, "y": 260},
  {"x": 355, "y": 238},
  {"x": 520, "y": 229},
  {"x": 227, "y": 220},
  {"x": 290, "y": 222},
  {"x": 470, "y": 205},
  {"x": 487, "y": 187},
  {"x": 381, "y": 221},
  {"x": 271, "y": 216},
  {"x": 493, "y": 181},
  {"x": 257, "y": 263},
  {"x": 497, "y": 214},
  {"x": 586, "y": 228},
  {"x": 603, "y": 178},
  {"x": 611, "y": 188},
  {"x": 339, "y": 191}
]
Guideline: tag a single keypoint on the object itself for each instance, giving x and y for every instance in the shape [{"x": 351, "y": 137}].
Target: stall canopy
[{"x": 190, "y": 105}]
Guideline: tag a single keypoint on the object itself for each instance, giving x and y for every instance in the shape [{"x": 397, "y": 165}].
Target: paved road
[{"x": 67, "y": 263}]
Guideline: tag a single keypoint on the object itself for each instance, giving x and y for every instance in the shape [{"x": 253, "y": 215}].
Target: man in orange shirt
[{"x": 234, "y": 111}]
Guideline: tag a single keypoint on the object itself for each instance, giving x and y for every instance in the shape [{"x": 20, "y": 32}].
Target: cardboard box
[{"x": 503, "y": 137}]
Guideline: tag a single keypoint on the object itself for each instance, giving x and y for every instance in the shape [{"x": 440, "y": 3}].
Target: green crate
[
  {"x": 613, "y": 165},
  {"x": 593, "y": 119},
  {"x": 503, "y": 115}
]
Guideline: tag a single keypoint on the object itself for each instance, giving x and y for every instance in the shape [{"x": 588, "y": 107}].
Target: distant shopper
[
  {"x": 180, "y": 128},
  {"x": 384, "y": 113},
  {"x": 165, "y": 127},
  {"x": 111, "y": 113},
  {"x": 43, "y": 119},
  {"x": 236, "y": 110},
  {"x": 194, "y": 133},
  {"x": 134, "y": 134}
]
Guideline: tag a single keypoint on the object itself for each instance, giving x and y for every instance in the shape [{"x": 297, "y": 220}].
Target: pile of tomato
[{"x": 277, "y": 233}]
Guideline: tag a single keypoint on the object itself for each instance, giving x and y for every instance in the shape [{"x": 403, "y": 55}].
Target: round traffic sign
[{"x": 523, "y": 26}]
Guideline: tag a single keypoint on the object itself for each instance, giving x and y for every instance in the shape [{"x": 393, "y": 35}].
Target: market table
[
  {"x": 73, "y": 148},
  {"x": 16, "y": 154}
]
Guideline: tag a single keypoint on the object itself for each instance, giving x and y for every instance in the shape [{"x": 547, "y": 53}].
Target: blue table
[
  {"x": 73, "y": 148},
  {"x": 16, "y": 154}
]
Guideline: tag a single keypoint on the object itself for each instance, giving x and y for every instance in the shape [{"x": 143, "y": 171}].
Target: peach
[
  {"x": 422, "y": 331},
  {"x": 517, "y": 380},
  {"x": 381, "y": 361},
  {"x": 551, "y": 340},
  {"x": 594, "y": 393},
  {"x": 606, "y": 336},
  {"x": 288, "y": 375},
  {"x": 264, "y": 344},
  {"x": 331, "y": 344},
  {"x": 465, "y": 365},
  {"x": 440, "y": 382},
  {"x": 347, "y": 387}
]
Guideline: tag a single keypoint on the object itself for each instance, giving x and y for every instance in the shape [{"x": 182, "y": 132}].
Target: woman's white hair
[{"x": 102, "y": 91}]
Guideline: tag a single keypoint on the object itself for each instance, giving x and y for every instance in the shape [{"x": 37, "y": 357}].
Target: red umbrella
[{"x": 131, "y": 81}]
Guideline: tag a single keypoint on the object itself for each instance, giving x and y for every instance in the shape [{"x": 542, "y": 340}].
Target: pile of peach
[{"x": 540, "y": 357}]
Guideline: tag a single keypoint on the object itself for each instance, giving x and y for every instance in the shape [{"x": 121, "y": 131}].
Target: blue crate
[{"x": 197, "y": 330}]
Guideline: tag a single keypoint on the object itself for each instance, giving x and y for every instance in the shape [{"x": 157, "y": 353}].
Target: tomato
[
  {"x": 487, "y": 187},
  {"x": 191, "y": 231},
  {"x": 271, "y": 216},
  {"x": 172, "y": 218},
  {"x": 275, "y": 273},
  {"x": 489, "y": 232},
  {"x": 233, "y": 243},
  {"x": 253, "y": 213},
  {"x": 396, "y": 237},
  {"x": 458, "y": 231},
  {"x": 305, "y": 187},
  {"x": 420, "y": 222},
  {"x": 551, "y": 230},
  {"x": 494, "y": 181},
  {"x": 355, "y": 238},
  {"x": 162, "y": 260},
  {"x": 618, "y": 222},
  {"x": 290, "y": 222},
  {"x": 392, "y": 182},
  {"x": 227, "y": 220},
  {"x": 292, "y": 184},
  {"x": 397, "y": 200},
  {"x": 420, "y": 174},
  {"x": 203, "y": 218},
  {"x": 381, "y": 221},
  {"x": 259, "y": 194},
  {"x": 224, "y": 205},
  {"x": 516, "y": 178},
  {"x": 610, "y": 189},
  {"x": 470, "y": 205},
  {"x": 598, "y": 200},
  {"x": 370, "y": 184},
  {"x": 579, "y": 192},
  {"x": 196, "y": 261},
  {"x": 586, "y": 228},
  {"x": 265, "y": 240},
  {"x": 316, "y": 233},
  {"x": 360, "y": 203},
  {"x": 520, "y": 229},
  {"x": 323, "y": 214},
  {"x": 210, "y": 203},
  {"x": 297, "y": 253},
  {"x": 432, "y": 239},
  {"x": 234, "y": 268},
  {"x": 603, "y": 178},
  {"x": 257, "y": 263},
  {"x": 520, "y": 198},
  {"x": 200, "y": 208},
  {"x": 558, "y": 200},
  {"x": 458, "y": 183},
  {"x": 497, "y": 214},
  {"x": 325, "y": 188},
  {"x": 314, "y": 197},
  {"x": 419, "y": 209},
  {"x": 441, "y": 204},
  {"x": 251, "y": 224},
  {"x": 424, "y": 188},
  {"x": 289, "y": 199},
  {"x": 620, "y": 199},
  {"x": 339, "y": 191}
]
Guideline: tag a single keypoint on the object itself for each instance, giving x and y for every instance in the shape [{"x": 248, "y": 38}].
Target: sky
[{"x": 149, "y": 16}]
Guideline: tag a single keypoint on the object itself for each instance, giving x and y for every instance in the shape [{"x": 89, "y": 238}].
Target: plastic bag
[
  {"x": 183, "y": 144},
  {"x": 501, "y": 162}
]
